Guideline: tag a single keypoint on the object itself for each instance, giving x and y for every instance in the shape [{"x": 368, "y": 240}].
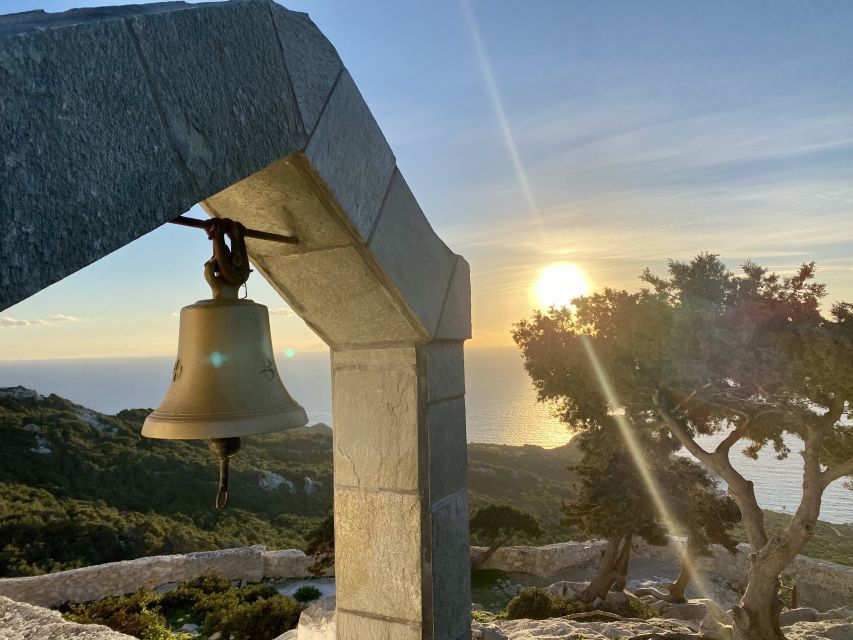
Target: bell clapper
[{"x": 224, "y": 449}]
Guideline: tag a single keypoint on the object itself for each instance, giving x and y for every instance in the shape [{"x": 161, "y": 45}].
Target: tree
[
  {"x": 610, "y": 503},
  {"x": 497, "y": 524},
  {"x": 705, "y": 516},
  {"x": 703, "y": 352},
  {"x": 321, "y": 546}
]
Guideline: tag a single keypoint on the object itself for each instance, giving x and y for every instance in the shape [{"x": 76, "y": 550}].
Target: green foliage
[
  {"x": 308, "y": 593},
  {"x": 497, "y": 524},
  {"x": 534, "y": 603},
  {"x": 136, "y": 615},
  {"x": 321, "y": 546},
  {"x": 254, "y": 612},
  {"x": 105, "y": 494}
]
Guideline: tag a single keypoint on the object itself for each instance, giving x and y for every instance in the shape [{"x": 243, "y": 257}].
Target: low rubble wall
[
  {"x": 251, "y": 564},
  {"x": 822, "y": 585}
]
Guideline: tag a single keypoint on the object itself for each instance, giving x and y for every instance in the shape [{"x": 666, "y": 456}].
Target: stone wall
[
  {"x": 116, "y": 578},
  {"x": 822, "y": 585}
]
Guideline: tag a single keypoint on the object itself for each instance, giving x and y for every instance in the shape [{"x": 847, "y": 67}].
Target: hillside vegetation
[{"x": 78, "y": 488}]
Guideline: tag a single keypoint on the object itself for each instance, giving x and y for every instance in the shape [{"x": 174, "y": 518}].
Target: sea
[{"x": 500, "y": 403}]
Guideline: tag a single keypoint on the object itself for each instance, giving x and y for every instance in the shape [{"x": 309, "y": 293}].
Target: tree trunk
[
  {"x": 600, "y": 584},
  {"x": 479, "y": 561},
  {"x": 620, "y": 568},
  {"x": 756, "y": 617},
  {"x": 677, "y": 588}
]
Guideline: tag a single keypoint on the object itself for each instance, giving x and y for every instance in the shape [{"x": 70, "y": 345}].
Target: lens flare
[{"x": 642, "y": 465}]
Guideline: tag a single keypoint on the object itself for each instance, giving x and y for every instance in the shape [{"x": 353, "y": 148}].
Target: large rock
[
  {"x": 486, "y": 631},
  {"x": 318, "y": 622},
  {"x": 827, "y": 630},
  {"x": 696, "y": 610},
  {"x": 567, "y": 590},
  {"x": 21, "y": 621},
  {"x": 802, "y": 614},
  {"x": 562, "y": 628}
]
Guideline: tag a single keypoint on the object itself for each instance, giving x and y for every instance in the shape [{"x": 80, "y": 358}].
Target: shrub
[
  {"x": 264, "y": 618},
  {"x": 533, "y": 603},
  {"x": 307, "y": 593},
  {"x": 134, "y": 614}
]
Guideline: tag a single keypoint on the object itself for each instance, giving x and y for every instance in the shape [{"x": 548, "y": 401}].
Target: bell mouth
[{"x": 207, "y": 426}]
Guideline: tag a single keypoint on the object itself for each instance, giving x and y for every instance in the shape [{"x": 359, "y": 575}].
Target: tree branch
[
  {"x": 736, "y": 434},
  {"x": 838, "y": 471}
]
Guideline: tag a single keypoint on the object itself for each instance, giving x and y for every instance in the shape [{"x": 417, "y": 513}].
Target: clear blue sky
[{"x": 611, "y": 135}]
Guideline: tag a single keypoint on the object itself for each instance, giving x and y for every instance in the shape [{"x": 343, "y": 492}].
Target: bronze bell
[{"x": 225, "y": 384}]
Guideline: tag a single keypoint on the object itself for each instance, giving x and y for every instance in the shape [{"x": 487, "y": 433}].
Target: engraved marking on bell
[
  {"x": 178, "y": 370},
  {"x": 268, "y": 369}
]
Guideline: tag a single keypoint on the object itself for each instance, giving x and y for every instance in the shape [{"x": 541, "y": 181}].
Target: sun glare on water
[{"x": 559, "y": 284}]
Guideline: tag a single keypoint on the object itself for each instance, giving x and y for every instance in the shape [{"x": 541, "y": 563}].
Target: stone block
[
  {"x": 220, "y": 77},
  {"x": 353, "y": 626},
  {"x": 340, "y": 294},
  {"x": 312, "y": 61},
  {"x": 417, "y": 261},
  {"x": 78, "y": 147},
  {"x": 376, "y": 428},
  {"x": 455, "y": 323},
  {"x": 375, "y": 359},
  {"x": 378, "y": 554},
  {"x": 286, "y": 563},
  {"x": 20, "y": 621},
  {"x": 351, "y": 157},
  {"x": 245, "y": 563},
  {"x": 451, "y": 574},
  {"x": 280, "y": 198},
  {"x": 448, "y": 451},
  {"x": 445, "y": 370}
]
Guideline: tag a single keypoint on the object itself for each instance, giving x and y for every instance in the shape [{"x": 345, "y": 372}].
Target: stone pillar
[{"x": 401, "y": 516}]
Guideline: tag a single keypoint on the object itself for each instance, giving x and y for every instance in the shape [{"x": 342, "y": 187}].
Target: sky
[{"x": 608, "y": 135}]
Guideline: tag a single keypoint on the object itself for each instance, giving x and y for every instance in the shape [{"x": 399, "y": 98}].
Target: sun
[{"x": 559, "y": 284}]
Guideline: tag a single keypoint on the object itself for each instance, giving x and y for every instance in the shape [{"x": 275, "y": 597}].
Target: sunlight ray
[
  {"x": 664, "y": 512},
  {"x": 503, "y": 120}
]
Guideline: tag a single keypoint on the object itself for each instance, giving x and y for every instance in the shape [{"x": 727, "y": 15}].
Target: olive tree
[
  {"x": 701, "y": 351},
  {"x": 497, "y": 525}
]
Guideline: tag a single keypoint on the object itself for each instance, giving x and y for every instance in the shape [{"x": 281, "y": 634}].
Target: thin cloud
[
  {"x": 282, "y": 311},
  {"x": 7, "y": 322}
]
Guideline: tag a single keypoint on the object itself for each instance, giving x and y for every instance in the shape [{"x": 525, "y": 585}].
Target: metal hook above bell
[{"x": 225, "y": 384}]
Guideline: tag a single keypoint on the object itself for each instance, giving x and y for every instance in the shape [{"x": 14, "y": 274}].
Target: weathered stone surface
[
  {"x": 351, "y": 156},
  {"x": 544, "y": 561},
  {"x": 829, "y": 630},
  {"x": 341, "y": 296},
  {"x": 448, "y": 454},
  {"x": 802, "y": 614},
  {"x": 287, "y": 563},
  {"x": 311, "y": 59},
  {"x": 281, "y": 198},
  {"x": 234, "y": 564},
  {"x": 455, "y": 321},
  {"x": 376, "y": 418},
  {"x": 191, "y": 56},
  {"x": 562, "y": 628},
  {"x": 352, "y": 626},
  {"x": 78, "y": 145},
  {"x": 445, "y": 370},
  {"x": 697, "y": 610},
  {"x": 567, "y": 590},
  {"x": 485, "y": 631},
  {"x": 416, "y": 259},
  {"x": 20, "y": 621},
  {"x": 451, "y": 575},
  {"x": 95, "y": 582},
  {"x": 317, "y": 622},
  {"x": 378, "y": 554}
]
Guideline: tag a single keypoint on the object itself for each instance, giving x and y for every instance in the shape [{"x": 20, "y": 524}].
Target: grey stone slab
[
  {"x": 338, "y": 294},
  {"x": 455, "y": 321},
  {"x": 220, "y": 77},
  {"x": 376, "y": 427},
  {"x": 35, "y": 20},
  {"x": 351, "y": 157},
  {"x": 448, "y": 453},
  {"x": 451, "y": 574},
  {"x": 410, "y": 252},
  {"x": 378, "y": 568},
  {"x": 312, "y": 61},
  {"x": 354, "y": 626},
  {"x": 445, "y": 369},
  {"x": 86, "y": 163},
  {"x": 281, "y": 198}
]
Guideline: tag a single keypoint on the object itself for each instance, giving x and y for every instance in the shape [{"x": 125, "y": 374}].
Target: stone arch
[{"x": 116, "y": 120}]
